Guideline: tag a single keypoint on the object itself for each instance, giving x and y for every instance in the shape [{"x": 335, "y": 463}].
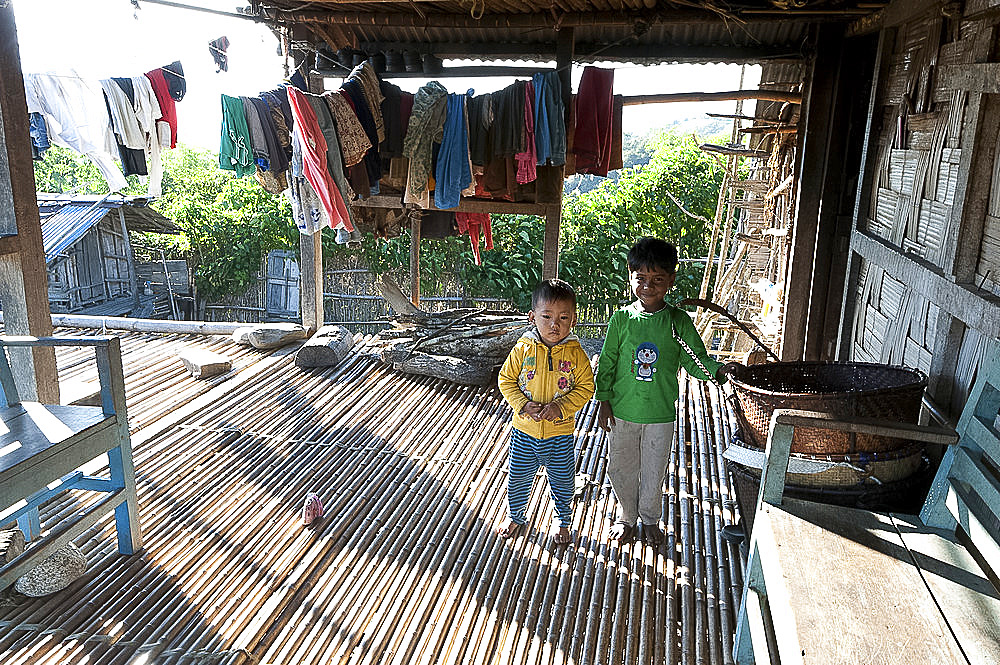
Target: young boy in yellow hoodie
[{"x": 546, "y": 379}]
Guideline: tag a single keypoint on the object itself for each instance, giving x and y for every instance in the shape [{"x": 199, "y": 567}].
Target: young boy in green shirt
[{"x": 637, "y": 385}]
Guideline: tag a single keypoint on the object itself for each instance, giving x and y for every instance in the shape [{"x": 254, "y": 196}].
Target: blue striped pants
[{"x": 527, "y": 454}]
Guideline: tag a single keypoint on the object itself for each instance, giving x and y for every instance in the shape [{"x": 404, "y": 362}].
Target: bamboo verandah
[{"x": 405, "y": 567}]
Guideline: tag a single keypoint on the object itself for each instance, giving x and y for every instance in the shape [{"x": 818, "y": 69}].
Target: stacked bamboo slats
[{"x": 405, "y": 567}]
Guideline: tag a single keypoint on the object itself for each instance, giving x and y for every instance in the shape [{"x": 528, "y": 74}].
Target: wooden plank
[
  {"x": 962, "y": 301},
  {"x": 966, "y": 596},
  {"x": 448, "y": 72},
  {"x": 464, "y": 205},
  {"x": 841, "y": 563},
  {"x": 940, "y": 435},
  {"x": 983, "y": 77},
  {"x": 729, "y": 95}
]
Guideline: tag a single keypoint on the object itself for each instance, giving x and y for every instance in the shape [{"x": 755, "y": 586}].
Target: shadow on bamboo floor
[{"x": 405, "y": 566}]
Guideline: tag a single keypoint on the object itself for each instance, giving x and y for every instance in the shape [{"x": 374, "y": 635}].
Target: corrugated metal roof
[
  {"x": 748, "y": 31},
  {"x": 66, "y": 219},
  {"x": 63, "y": 228}
]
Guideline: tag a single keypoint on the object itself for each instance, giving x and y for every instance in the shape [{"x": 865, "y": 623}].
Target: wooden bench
[
  {"x": 43, "y": 446},
  {"x": 831, "y": 585}
]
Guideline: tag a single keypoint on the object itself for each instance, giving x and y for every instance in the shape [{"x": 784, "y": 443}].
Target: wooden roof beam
[{"x": 506, "y": 21}]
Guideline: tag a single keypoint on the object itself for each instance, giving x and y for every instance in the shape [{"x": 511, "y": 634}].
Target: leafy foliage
[
  {"x": 598, "y": 228},
  {"x": 229, "y": 223}
]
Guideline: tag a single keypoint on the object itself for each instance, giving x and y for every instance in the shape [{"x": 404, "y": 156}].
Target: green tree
[
  {"x": 229, "y": 223},
  {"x": 598, "y": 227}
]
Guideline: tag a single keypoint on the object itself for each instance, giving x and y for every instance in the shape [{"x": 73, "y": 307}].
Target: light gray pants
[{"x": 637, "y": 460}]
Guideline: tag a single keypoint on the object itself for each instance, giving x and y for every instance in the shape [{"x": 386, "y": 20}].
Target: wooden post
[
  {"x": 311, "y": 268},
  {"x": 553, "y": 215},
  {"x": 24, "y": 289},
  {"x": 311, "y": 280},
  {"x": 415, "y": 260},
  {"x": 130, "y": 260},
  {"x": 815, "y": 118}
]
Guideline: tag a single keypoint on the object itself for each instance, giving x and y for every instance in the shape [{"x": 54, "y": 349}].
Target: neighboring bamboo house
[{"x": 90, "y": 260}]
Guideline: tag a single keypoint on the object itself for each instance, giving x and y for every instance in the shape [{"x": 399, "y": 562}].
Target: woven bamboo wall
[{"x": 916, "y": 196}]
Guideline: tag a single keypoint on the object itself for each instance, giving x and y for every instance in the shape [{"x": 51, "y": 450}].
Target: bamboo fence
[{"x": 405, "y": 566}]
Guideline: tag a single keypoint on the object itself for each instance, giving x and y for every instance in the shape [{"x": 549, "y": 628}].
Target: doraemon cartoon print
[{"x": 645, "y": 359}]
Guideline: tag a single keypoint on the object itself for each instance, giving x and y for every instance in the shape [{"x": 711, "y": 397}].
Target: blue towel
[{"x": 453, "y": 172}]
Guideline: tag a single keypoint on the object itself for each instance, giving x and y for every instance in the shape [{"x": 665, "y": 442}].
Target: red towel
[{"x": 594, "y": 121}]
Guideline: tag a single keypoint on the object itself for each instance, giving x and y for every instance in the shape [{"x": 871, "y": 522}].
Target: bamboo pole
[{"x": 731, "y": 95}]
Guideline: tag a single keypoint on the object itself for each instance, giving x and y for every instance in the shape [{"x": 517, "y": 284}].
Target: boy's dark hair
[
  {"x": 552, "y": 290},
  {"x": 652, "y": 253}
]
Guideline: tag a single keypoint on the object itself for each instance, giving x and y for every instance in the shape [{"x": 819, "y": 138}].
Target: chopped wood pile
[{"x": 461, "y": 345}]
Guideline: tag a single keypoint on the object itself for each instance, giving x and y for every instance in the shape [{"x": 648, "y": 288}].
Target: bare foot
[
  {"x": 621, "y": 532},
  {"x": 562, "y": 536},
  {"x": 652, "y": 534},
  {"x": 508, "y": 528}
]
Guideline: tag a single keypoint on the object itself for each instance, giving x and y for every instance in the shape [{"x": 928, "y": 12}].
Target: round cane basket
[
  {"x": 846, "y": 389},
  {"x": 902, "y": 495}
]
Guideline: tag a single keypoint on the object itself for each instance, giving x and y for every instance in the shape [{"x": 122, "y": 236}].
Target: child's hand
[
  {"x": 605, "y": 419},
  {"x": 727, "y": 370},
  {"x": 550, "y": 411},
  {"x": 532, "y": 410}
]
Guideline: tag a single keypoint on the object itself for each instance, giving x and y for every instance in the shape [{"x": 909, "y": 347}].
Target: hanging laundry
[
  {"x": 76, "y": 117},
  {"x": 473, "y": 223},
  {"x": 217, "y": 47},
  {"x": 39, "y": 135},
  {"x": 353, "y": 91},
  {"x": 454, "y": 170},
  {"x": 354, "y": 142},
  {"x": 314, "y": 159},
  {"x": 528, "y": 160},
  {"x": 334, "y": 162},
  {"x": 480, "y": 113},
  {"x": 307, "y": 209},
  {"x": 365, "y": 76},
  {"x": 392, "y": 117},
  {"x": 550, "y": 119},
  {"x": 258, "y": 144},
  {"x": 299, "y": 81},
  {"x": 424, "y": 129},
  {"x": 234, "y": 149},
  {"x": 168, "y": 108},
  {"x": 173, "y": 74},
  {"x": 120, "y": 98},
  {"x": 593, "y": 135}
]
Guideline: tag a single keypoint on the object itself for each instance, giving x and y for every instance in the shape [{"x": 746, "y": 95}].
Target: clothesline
[{"x": 327, "y": 150}]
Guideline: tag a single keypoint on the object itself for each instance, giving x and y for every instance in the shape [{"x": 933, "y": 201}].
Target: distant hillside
[{"x": 636, "y": 149}]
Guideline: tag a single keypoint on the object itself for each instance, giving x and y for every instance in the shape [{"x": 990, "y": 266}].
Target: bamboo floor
[{"x": 405, "y": 566}]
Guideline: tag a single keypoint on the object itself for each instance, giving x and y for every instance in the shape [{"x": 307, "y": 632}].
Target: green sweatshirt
[{"x": 637, "y": 372}]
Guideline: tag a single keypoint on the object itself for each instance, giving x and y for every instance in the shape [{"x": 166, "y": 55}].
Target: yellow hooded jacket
[{"x": 533, "y": 372}]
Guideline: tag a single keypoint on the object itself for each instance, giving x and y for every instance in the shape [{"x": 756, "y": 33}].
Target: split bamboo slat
[{"x": 405, "y": 566}]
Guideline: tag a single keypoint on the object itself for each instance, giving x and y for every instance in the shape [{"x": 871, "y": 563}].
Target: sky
[{"x": 105, "y": 38}]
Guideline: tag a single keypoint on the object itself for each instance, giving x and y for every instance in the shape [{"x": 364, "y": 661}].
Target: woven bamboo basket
[
  {"x": 853, "y": 469},
  {"x": 904, "y": 495},
  {"x": 848, "y": 389}
]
